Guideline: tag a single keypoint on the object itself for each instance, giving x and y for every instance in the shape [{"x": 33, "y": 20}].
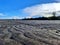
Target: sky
[{"x": 18, "y": 9}]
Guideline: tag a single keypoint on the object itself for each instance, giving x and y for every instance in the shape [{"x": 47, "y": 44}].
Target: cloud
[
  {"x": 42, "y": 9},
  {"x": 1, "y": 14},
  {"x": 15, "y": 17}
]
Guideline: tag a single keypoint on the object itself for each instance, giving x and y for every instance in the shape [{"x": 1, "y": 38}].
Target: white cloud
[
  {"x": 42, "y": 9},
  {"x": 1, "y": 14},
  {"x": 15, "y": 17}
]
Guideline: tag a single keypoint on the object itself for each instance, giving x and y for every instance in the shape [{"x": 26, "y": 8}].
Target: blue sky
[{"x": 15, "y": 8}]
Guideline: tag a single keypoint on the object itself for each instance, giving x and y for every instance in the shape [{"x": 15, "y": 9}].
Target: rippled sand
[{"x": 29, "y": 32}]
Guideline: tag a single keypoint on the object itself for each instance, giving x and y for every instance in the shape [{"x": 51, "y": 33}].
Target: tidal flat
[{"x": 29, "y": 32}]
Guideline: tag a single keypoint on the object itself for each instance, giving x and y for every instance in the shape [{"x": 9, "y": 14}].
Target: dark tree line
[
  {"x": 44, "y": 18},
  {"x": 54, "y": 17}
]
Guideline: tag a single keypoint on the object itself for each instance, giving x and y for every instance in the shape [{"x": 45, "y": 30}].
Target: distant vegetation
[
  {"x": 54, "y": 17},
  {"x": 44, "y": 18}
]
